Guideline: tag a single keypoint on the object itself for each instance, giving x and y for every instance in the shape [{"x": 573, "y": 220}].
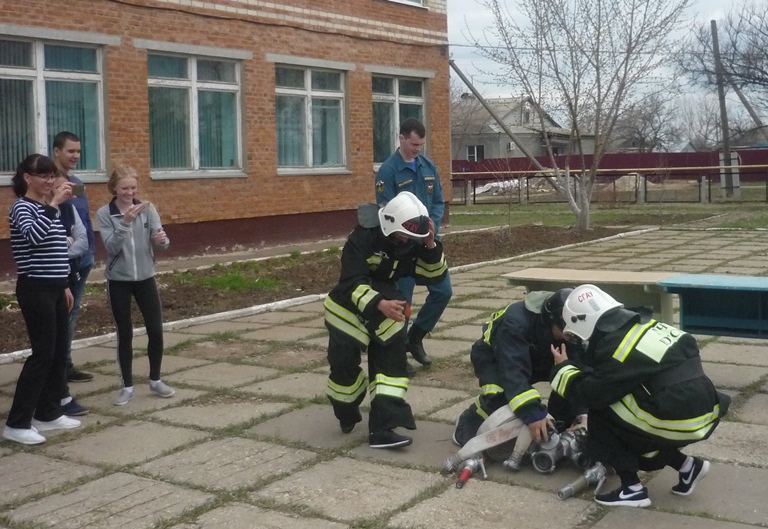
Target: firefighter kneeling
[{"x": 646, "y": 392}]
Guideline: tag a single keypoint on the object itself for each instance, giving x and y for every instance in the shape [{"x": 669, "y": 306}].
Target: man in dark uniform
[
  {"x": 513, "y": 354},
  {"x": 646, "y": 392},
  {"x": 366, "y": 310}
]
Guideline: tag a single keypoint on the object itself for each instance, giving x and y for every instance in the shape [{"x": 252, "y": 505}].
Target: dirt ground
[{"x": 184, "y": 296}]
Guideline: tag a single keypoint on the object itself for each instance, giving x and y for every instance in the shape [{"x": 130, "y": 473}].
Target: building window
[
  {"x": 46, "y": 89},
  {"x": 309, "y": 110},
  {"x": 194, "y": 113},
  {"x": 422, "y": 3},
  {"x": 394, "y": 100},
  {"x": 475, "y": 153}
]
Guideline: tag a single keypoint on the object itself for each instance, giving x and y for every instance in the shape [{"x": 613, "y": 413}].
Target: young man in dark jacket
[
  {"x": 646, "y": 392},
  {"x": 513, "y": 354},
  {"x": 365, "y": 310}
]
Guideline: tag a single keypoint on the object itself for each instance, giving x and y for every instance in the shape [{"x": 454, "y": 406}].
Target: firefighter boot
[{"x": 416, "y": 346}]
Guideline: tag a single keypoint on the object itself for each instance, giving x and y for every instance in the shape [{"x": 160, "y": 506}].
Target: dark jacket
[
  {"x": 649, "y": 379},
  {"x": 370, "y": 266}
]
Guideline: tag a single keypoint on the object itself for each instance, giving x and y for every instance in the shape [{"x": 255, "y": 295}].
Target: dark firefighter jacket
[
  {"x": 516, "y": 344},
  {"x": 370, "y": 265},
  {"x": 649, "y": 379}
]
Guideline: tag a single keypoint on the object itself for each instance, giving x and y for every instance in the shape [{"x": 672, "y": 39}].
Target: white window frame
[
  {"x": 472, "y": 152},
  {"x": 397, "y": 99},
  {"x": 413, "y": 3},
  {"x": 193, "y": 85},
  {"x": 39, "y": 75},
  {"x": 307, "y": 94}
]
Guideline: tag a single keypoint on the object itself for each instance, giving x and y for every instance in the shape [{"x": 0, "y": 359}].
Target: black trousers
[
  {"x": 344, "y": 357},
  {"x": 41, "y": 381},
  {"x": 148, "y": 299}
]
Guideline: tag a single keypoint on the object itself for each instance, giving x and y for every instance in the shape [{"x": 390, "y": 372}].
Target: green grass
[{"x": 233, "y": 281}]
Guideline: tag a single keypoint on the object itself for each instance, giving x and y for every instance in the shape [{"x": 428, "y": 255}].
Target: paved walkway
[{"x": 250, "y": 442}]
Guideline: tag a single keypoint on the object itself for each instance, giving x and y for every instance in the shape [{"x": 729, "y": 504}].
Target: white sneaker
[
  {"x": 123, "y": 397},
  {"x": 161, "y": 389},
  {"x": 62, "y": 423},
  {"x": 25, "y": 436}
]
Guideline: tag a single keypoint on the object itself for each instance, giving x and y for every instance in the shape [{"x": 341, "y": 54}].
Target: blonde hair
[{"x": 124, "y": 171}]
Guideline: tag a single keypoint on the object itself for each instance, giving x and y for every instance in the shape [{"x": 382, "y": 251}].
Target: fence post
[
  {"x": 640, "y": 187},
  {"x": 703, "y": 190},
  {"x": 469, "y": 197}
]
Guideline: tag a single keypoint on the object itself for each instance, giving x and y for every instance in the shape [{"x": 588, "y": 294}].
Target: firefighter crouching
[
  {"x": 365, "y": 310},
  {"x": 645, "y": 389}
]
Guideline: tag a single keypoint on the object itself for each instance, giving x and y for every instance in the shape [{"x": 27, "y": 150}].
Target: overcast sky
[{"x": 469, "y": 13}]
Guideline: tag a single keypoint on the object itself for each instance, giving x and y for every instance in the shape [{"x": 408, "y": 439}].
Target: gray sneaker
[
  {"x": 123, "y": 397},
  {"x": 162, "y": 390}
]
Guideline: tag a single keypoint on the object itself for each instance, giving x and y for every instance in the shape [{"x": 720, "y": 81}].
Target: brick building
[{"x": 249, "y": 121}]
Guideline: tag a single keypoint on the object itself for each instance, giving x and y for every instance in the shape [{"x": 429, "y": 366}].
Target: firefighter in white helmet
[
  {"x": 646, "y": 392},
  {"x": 366, "y": 311}
]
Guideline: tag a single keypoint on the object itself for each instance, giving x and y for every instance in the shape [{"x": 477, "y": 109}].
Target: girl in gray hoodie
[{"x": 130, "y": 229}]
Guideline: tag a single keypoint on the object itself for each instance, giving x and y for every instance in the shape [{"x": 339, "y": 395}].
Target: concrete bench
[
  {"x": 634, "y": 289},
  {"x": 723, "y": 305}
]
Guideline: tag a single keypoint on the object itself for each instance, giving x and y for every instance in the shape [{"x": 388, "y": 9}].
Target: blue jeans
[
  {"x": 437, "y": 300},
  {"x": 86, "y": 265}
]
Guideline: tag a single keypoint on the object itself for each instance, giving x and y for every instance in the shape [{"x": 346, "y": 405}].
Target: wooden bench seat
[
  {"x": 634, "y": 289},
  {"x": 719, "y": 304}
]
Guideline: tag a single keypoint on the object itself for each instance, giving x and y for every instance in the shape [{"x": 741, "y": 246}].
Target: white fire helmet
[
  {"x": 405, "y": 214},
  {"x": 583, "y": 307}
]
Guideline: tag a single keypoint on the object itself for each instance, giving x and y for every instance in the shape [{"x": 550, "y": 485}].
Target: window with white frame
[
  {"x": 422, "y": 3},
  {"x": 475, "y": 153},
  {"x": 309, "y": 111},
  {"x": 46, "y": 88},
  {"x": 394, "y": 100},
  {"x": 194, "y": 113}
]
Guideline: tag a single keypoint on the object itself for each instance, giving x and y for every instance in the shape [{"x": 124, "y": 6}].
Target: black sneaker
[
  {"x": 625, "y": 497},
  {"x": 348, "y": 427},
  {"x": 689, "y": 479},
  {"x": 419, "y": 354},
  {"x": 388, "y": 439},
  {"x": 73, "y": 409},
  {"x": 75, "y": 375},
  {"x": 467, "y": 425}
]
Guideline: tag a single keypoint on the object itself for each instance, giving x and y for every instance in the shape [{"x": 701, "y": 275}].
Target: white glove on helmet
[
  {"x": 583, "y": 307},
  {"x": 405, "y": 214}
]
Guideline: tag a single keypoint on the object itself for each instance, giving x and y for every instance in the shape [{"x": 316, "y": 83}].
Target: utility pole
[{"x": 723, "y": 111}]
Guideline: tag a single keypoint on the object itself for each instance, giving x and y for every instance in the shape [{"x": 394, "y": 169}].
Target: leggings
[{"x": 148, "y": 299}]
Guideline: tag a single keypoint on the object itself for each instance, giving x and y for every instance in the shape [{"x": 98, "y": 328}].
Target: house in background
[
  {"x": 476, "y": 136},
  {"x": 248, "y": 121}
]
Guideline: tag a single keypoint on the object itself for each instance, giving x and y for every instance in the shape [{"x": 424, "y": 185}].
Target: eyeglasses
[{"x": 49, "y": 176}]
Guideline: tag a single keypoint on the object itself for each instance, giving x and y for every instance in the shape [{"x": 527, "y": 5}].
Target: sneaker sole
[
  {"x": 646, "y": 502},
  {"x": 122, "y": 402},
  {"x": 79, "y": 380},
  {"x": 349, "y": 429},
  {"x": 45, "y": 428},
  {"x": 405, "y": 442},
  {"x": 25, "y": 442},
  {"x": 76, "y": 414},
  {"x": 166, "y": 396},
  {"x": 702, "y": 475}
]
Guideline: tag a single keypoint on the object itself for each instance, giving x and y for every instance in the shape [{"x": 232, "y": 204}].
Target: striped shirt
[{"x": 38, "y": 242}]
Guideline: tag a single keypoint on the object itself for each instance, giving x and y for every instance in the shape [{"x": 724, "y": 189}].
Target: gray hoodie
[{"x": 130, "y": 256}]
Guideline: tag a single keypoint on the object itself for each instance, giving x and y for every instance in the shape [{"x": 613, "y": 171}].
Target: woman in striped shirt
[{"x": 39, "y": 245}]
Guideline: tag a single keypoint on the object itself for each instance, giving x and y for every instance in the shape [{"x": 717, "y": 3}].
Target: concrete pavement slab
[
  {"x": 295, "y": 385},
  {"x": 511, "y": 507},
  {"x": 228, "y": 464},
  {"x": 754, "y": 410},
  {"x": 225, "y": 414},
  {"x": 735, "y": 269},
  {"x": 733, "y": 376},
  {"x": 9, "y": 373},
  {"x": 461, "y": 332},
  {"x": 143, "y": 401},
  {"x": 451, "y": 315},
  {"x": 445, "y": 348},
  {"x": 733, "y": 493},
  {"x": 315, "y": 307},
  {"x": 462, "y": 290},
  {"x": 432, "y": 445},
  {"x": 506, "y": 295},
  {"x": 117, "y": 500},
  {"x": 96, "y": 354},
  {"x": 23, "y": 475},
  {"x": 735, "y": 442},
  {"x": 171, "y": 364},
  {"x": 747, "y": 352},
  {"x": 140, "y": 342},
  {"x": 425, "y": 400},
  {"x": 126, "y": 444},
  {"x": 347, "y": 489},
  {"x": 660, "y": 520},
  {"x": 220, "y": 326},
  {"x": 312, "y": 323},
  {"x": 100, "y": 383},
  {"x": 222, "y": 374},
  {"x": 244, "y": 516},
  {"x": 451, "y": 413},
  {"x": 95, "y": 420},
  {"x": 485, "y": 303},
  {"x": 281, "y": 334},
  {"x": 293, "y": 358},
  {"x": 273, "y": 318},
  {"x": 313, "y": 425}
]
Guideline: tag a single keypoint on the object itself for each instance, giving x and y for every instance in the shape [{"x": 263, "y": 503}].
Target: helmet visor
[{"x": 417, "y": 227}]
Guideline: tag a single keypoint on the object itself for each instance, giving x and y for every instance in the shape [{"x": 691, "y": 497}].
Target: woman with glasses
[{"x": 39, "y": 245}]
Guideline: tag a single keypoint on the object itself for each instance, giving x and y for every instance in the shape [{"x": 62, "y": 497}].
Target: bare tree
[
  {"x": 587, "y": 61},
  {"x": 698, "y": 121},
  {"x": 649, "y": 125},
  {"x": 743, "y": 36}
]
